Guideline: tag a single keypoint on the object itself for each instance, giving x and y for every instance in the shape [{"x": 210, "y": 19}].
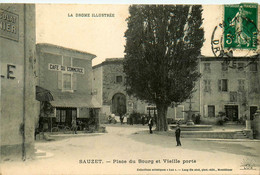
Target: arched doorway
[{"x": 119, "y": 104}]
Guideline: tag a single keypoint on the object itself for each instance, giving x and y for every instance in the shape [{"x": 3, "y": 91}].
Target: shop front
[{"x": 70, "y": 107}]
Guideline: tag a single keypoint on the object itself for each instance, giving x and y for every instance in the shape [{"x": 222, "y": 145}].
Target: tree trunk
[{"x": 162, "y": 124}]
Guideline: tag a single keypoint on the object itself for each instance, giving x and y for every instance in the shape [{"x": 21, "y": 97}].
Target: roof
[
  {"x": 73, "y": 100},
  {"x": 204, "y": 58},
  {"x": 109, "y": 61},
  {"x": 55, "y": 49}
]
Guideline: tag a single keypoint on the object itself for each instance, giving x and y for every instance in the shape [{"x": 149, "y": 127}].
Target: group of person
[{"x": 150, "y": 122}]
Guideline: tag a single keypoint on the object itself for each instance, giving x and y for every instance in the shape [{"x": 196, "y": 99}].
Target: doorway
[
  {"x": 64, "y": 115},
  {"x": 253, "y": 109},
  {"x": 232, "y": 112},
  {"x": 119, "y": 104}
]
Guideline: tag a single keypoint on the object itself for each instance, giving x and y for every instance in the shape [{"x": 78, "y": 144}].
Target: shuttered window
[
  {"x": 119, "y": 79},
  {"x": 241, "y": 66},
  {"x": 67, "y": 84},
  {"x": 207, "y": 87},
  {"x": 211, "y": 111},
  {"x": 207, "y": 67},
  {"x": 223, "y": 85},
  {"x": 233, "y": 96},
  {"x": 241, "y": 85},
  {"x": 253, "y": 67},
  {"x": 224, "y": 66}
]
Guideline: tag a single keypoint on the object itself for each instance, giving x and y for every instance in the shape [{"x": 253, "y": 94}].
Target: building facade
[
  {"x": 229, "y": 88},
  {"x": 110, "y": 91},
  {"x": 18, "y": 81},
  {"x": 67, "y": 74},
  {"x": 232, "y": 88}
]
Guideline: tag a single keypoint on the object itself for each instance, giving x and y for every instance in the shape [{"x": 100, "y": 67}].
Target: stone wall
[
  {"x": 110, "y": 86},
  {"x": 18, "y": 80}
]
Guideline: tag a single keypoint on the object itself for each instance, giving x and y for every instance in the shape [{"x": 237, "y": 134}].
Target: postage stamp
[
  {"x": 238, "y": 32},
  {"x": 240, "y": 29}
]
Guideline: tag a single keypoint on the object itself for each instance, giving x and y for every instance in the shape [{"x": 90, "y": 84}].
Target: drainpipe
[{"x": 24, "y": 89}]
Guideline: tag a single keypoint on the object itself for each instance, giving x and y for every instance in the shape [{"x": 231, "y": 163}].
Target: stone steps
[
  {"x": 211, "y": 134},
  {"x": 192, "y": 127}
]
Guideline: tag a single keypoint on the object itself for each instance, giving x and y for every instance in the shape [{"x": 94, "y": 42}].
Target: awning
[
  {"x": 72, "y": 100},
  {"x": 43, "y": 94}
]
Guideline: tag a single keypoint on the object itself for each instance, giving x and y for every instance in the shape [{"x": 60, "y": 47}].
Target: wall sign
[
  {"x": 9, "y": 25},
  {"x": 57, "y": 67},
  {"x": 9, "y": 71}
]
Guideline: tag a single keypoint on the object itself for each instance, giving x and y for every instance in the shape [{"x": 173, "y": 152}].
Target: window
[
  {"x": 57, "y": 115},
  {"x": 241, "y": 85},
  {"x": 207, "y": 87},
  {"x": 207, "y": 67},
  {"x": 223, "y": 85},
  {"x": 224, "y": 66},
  {"x": 253, "y": 67},
  {"x": 211, "y": 111},
  {"x": 119, "y": 79},
  {"x": 233, "y": 96},
  {"x": 67, "y": 85},
  {"x": 240, "y": 66},
  {"x": 60, "y": 115}
]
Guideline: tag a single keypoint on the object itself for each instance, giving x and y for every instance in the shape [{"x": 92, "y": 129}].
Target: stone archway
[{"x": 119, "y": 104}]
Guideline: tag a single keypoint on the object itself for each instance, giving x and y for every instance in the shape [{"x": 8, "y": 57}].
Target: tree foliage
[{"x": 163, "y": 43}]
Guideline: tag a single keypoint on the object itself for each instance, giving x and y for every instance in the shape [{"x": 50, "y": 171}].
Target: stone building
[
  {"x": 232, "y": 88},
  {"x": 109, "y": 90},
  {"x": 67, "y": 74},
  {"x": 18, "y": 80}
]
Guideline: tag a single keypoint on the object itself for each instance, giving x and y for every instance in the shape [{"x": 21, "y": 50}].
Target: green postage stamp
[{"x": 240, "y": 29}]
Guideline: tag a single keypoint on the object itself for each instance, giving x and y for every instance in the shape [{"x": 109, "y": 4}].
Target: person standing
[
  {"x": 178, "y": 134},
  {"x": 121, "y": 118},
  {"x": 143, "y": 119},
  {"x": 150, "y": 124},
  {"x": 74, "y": 125},
  {"x": 131, "y": 120}
]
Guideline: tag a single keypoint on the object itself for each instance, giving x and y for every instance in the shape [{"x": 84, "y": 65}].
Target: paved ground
[{"x": 132, "y": 150}]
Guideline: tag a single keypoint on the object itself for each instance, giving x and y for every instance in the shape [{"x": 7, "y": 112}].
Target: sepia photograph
[{"x": 129, "y": 88}]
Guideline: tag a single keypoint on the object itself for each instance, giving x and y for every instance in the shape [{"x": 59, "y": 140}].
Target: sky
[{"x": 101, "y": 36}]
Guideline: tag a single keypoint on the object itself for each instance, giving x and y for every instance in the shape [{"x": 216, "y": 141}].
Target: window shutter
[
  {"x": 59, "y": 80},
  {"x": 216, "y": 110},
  {"x": 209, "y": 85},
  {"x": 74, "y": 82},
  {"x": 205, "y": 110},
  {"x": 227, "y": 85},
  {"x": 204, "y": 86},
  {"x": 239, "y": 85},
  {"x": 219, "y": 85}
]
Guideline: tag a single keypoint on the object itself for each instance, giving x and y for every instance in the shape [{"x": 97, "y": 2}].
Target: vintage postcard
[{"x": 130, "y": 88}]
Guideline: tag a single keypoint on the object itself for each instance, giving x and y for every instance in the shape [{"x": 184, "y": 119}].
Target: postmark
[{"x": 237, "y": 33}]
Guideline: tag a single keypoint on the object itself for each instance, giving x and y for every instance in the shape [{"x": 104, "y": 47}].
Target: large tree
[{"x": 163, "y": 43}]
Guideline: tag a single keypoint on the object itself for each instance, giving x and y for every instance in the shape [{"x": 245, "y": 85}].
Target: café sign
[
  {"x": 57, "y": 67},
  {"x": 9, "y": 27}
]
